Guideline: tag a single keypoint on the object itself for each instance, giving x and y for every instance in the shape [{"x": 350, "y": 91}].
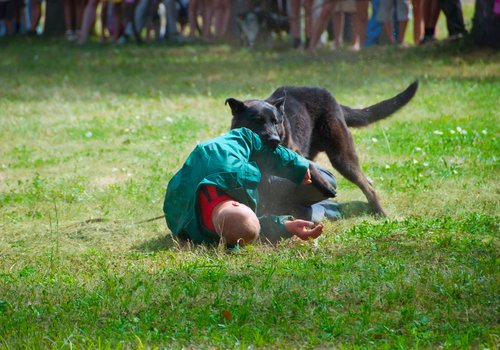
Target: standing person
[
  {"x": 112, "y": 20},
  {"x": 321, "y": 24},
  {"x": 295, "y": 21},
  {"x": 215, "y": 12},
  {"x": 214, "y": 196},
  {"x": 373, "y": 27},
  {"x": 360, "y": 19},
  {"x": 73, "y": 13},
  {"x": 221, "y": 17},
  {"x": 195, "y": 7},
  {"x": 7, "y": 13},
  {"x": 171, "y": 32},
  {"x": 386, "y": 11},
  {"x": 35, "y": 14},
  {"x": 430, "y": 11},
  {"x": 418, "y": 20},
  {"x": 362, "y": 22},
  {"x": 183, "y": 15},
  {"x": 89, "y": 16},
  {"x": 455, "y": 24}
]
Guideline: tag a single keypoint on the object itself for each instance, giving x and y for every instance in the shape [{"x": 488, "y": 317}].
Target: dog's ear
[
  {"x": 279, "y": 104},
  {"x": 236, "y": 105}
]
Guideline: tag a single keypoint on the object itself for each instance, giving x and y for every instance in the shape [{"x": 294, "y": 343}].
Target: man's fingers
[
  {"x": 305, "y": 223},
  {"x": 317, "y": 231},
  {"x": 313, "y": 233}
]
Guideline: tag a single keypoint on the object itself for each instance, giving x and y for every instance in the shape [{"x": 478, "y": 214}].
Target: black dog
[{"x": 309, "y": 120}]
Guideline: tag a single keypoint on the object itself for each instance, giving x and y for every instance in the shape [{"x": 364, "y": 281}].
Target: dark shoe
[
  {"x": 454, "y": 37},
  {"x": 427, "y": 40}
]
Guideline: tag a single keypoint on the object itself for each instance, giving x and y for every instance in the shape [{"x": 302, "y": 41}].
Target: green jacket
[{"x": 233, "y": 163}]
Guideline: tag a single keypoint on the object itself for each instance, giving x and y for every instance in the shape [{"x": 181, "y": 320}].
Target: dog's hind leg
[{"x": 342, "y": 154}]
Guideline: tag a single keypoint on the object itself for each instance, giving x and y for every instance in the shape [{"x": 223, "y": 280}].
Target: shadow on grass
[
  {"x": 354, "y": 209},
  {"x": 167, "y": 241},
  {"x": 157, "y": 244}
]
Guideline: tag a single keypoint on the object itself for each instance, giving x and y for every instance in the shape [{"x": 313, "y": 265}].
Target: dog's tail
[{"x": 361, "y": 117}]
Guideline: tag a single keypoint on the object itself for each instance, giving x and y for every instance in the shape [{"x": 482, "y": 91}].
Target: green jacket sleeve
[
  {"x": 272, "y": 228},
  {"x": 281, "y": 161}
]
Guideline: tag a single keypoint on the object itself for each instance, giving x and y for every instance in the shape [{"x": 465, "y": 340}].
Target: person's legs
[
  {"x": 105, "y": 28},
  {"x": 402, "y": 15},
  {"x": 307, "y": 194},
  {"x": 325, "y": 210},
  {"x": 348, "y": 19},
  {"x": 295, "y": 22},
  {"x": 117, "y": 21},
  {"x": 35, "y": 14},
  {"x": 338, "y": 28},
  {"x": 6, "y": 15},
  {"x": 79, "y": 8},
  {"x": 452, "y": 9},
  {"x": 182, "y": 15},
  {"x": 402, "y": 31},
  {"x": 207, "y": 15},
  {"x": 88, "y": 20},
  {"x": 361, "y": 23},
  {"x": 418, "y": 21},
  {"x": 374, "y": 28},
  {"x": 431, "y": 15},
  {"x": 222, "y": 15},
  {"x": 193, "y": 17},
  {"x": 308, "y": 20},
  {"x": 72, "y": 18},
  {"x": 68, "y": 15},
  {"x": 171, "y": 25},
  {"x": 384, "y": 16},
  {"x": 141, "y": 14},
  {"x": 322, "y": 21},
  {"x": 389, "y": 31},
  {"x": 279, "y": 196}
]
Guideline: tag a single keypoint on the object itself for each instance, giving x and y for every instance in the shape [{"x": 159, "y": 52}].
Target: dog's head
[
  {"x": 249, "y": 24},
  {"x": 264, "y": 118}
]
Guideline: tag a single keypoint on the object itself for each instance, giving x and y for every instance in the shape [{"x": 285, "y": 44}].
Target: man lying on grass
[{"x": 214, "y": 196}]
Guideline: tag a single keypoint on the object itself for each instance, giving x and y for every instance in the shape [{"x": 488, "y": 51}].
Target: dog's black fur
[{"x": 309, "y": 120}]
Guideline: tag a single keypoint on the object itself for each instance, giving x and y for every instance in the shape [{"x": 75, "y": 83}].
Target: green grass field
[{"x": 96, "y": 132}]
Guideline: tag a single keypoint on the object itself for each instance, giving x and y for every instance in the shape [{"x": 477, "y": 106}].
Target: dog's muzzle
[{"x": 273, "y": 142}]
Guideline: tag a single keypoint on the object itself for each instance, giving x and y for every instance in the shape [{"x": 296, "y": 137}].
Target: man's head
[
  {"x": 235, "y": 223},
  {"x": 264, "y": 118}
]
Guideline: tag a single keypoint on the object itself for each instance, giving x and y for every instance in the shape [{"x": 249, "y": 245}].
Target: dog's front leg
[{"x": 320, "y": 183}]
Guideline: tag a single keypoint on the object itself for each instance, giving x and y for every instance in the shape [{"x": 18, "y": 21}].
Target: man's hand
[
  {"x": 304, "y": 229},
  {"x": 307, "y": 178}
]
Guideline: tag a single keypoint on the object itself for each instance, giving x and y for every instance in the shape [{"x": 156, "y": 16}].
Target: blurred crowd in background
[{"x": 303, "y": 24}]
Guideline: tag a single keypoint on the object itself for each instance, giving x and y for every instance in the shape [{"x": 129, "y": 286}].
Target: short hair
[{"x": 236, "y": 223}]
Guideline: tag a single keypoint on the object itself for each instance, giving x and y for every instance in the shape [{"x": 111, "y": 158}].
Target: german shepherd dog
[{"x": 309, "y": 120}]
